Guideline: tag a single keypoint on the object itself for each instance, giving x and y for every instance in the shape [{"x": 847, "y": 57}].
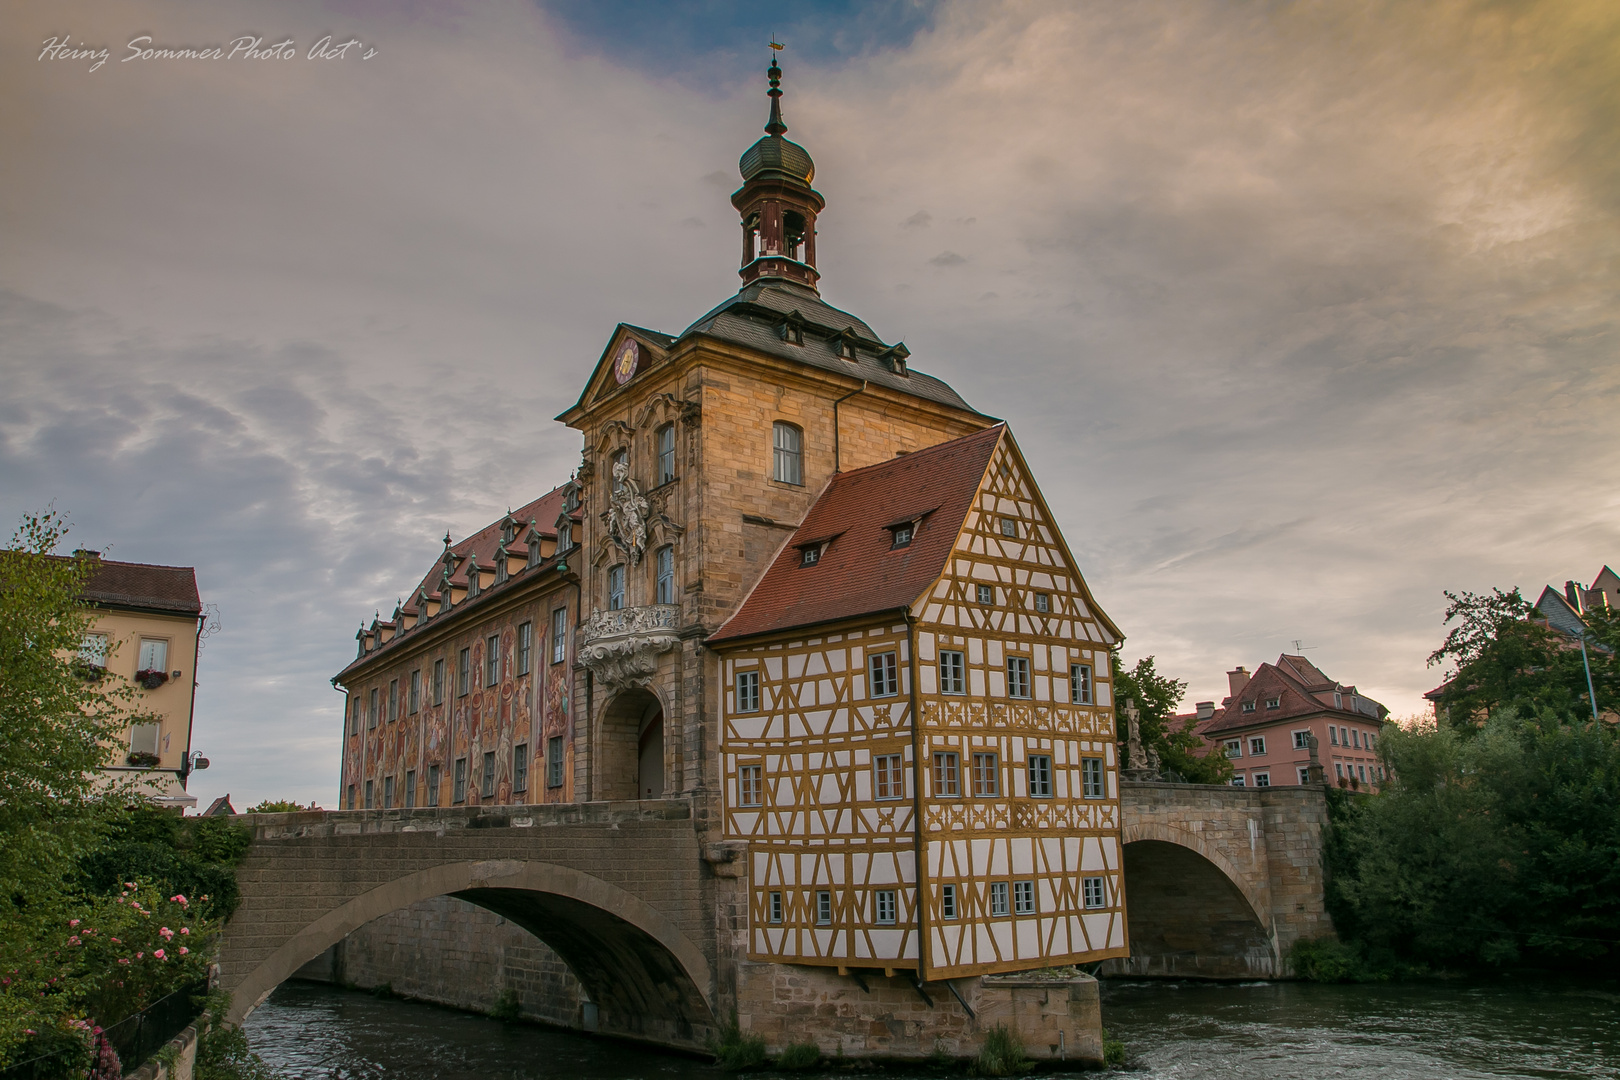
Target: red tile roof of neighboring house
[
  {"x": 170, "y": 589},
  {"x": 860, "y": 572},
  {"x": 1294, "y": 681}
]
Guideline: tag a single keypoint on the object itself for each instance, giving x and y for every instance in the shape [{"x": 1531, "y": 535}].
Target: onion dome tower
[{"x": 777, "y": 203}]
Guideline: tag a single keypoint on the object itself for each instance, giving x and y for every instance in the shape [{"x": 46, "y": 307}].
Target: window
[
  {"x": 371, "y": 710},
  {"x": 1257, "y": 745},
  {"x": 1093, "y": 780},
  {"x": 788, "y": 443},
  {"x": 1261, "y": 779},
  {"x": 1234, "y": 748},
  {"x": 750, "y": 786},
  {"x": 433, "y": 785},
  {"x": 393, "y": 700},
  {"x": 554, "y": 761},
  {"x": 1304, "y": 775},
  {"x": 1248, "y": 706},
  {"x": 438, "y": 681},
  {"x": 1080, "y": 684},
  {"x": 565, "y": 536},
  {"x": 891, "y": 783},
  {"x": 1040, "y": 776},
  {"x": 413, "y": 700},
  {"x": 388, "y": 793},
  {"x": 747, "y": 691},
  {"x": 154, "y": 656},
  {"x": 776, "y": 907},
  {"x": 1302, "y": 740},
  {"x": 1018, "y": 676},
  {"x": 1355, "y": 738},
  {"x": 458, "y": 793},
  {"x": 665, "y": 562},
  {"x": 666, "y": 453},
  {"x": 1043, "y": 602},
  {"x": 1273, "y": 702},
  {"x": 1362, "y": 770},
  {"x": 354, "y": 716},
  {"x": 952, "y": 671},
  {"x": 1333, "y": 735},
  {"x": 885, "y": 906},
  {"x": 143, "y": 738},
  {"x": 1344, "y": 736},
  {"x": 1009, "y": 526},
  {"x": 902, "y": 536},
  {"x": 809, "y": 556},
  {"x": 616, "y": 587},
  {"x": 1094, "y": 892},
  {"x": 824, "y": 908},
  {"x": 1023, "y": 898},
  {"x": 487, "y": 788},
  {"x": 1338, "y": 768},
  {"x": 1237, "y": 781},
  {"x": 885, "y": 674},
  {"x": 559, "y": 635},
  {"x": 998, "y": 898},
  {"x": 987, "y": 594},
  {"x": 351, "y": 796},
  {"x": 947, "y": 775},
  {"x": 464, "y": 672},
  {"x": 1338, "y": 700},
  {"x": 492, "y": 660},
  {"x": 986, "y": 776},
  {"x": 93, "y": 650},
  {"x": 520, "y": 767},
  {"x": 525, "y": 647},
  {"x": 368, "y": 794}
]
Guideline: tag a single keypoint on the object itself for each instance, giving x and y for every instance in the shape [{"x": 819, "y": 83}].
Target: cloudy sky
[{"x": 1303, "y": 312}]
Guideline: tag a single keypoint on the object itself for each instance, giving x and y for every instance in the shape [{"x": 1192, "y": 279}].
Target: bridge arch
[{"x": 645, "y": 976}]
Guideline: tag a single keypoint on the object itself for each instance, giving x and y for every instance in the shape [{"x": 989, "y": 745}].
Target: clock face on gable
[{"x": 625, "y": 360}]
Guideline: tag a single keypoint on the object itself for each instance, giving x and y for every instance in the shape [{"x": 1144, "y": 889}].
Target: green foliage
[
  {"x": 1113, "y": 1051},
  {"x": 1484, "y": 849},
  {"x": 193, "y": 856},
  {"x": 736, "y": 1050},
  {"x": 803, "y": 1055},
  {"x": 508, "y": 1006},
  {"x": 1157, "y": 696},
  {"x": 222, "y": 1050},
  {"x": 1503, "y": 656},
  {"x": 1003, "y": 1053},
  {"x": 277, "y": 806}
]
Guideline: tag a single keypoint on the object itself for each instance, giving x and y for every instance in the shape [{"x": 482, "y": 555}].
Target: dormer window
[
  {"x": 903, "y": 534},
  {"x": 1273, "y": 702},
  {"x": 810, "y": 556},
  {"x": 1248, "y": 706},
  {"x": 895, "y": 357},
  {"x": 565, "y": 536},
  {"x": 846, "y": 349},
  {"x": 792, "y": 329}
]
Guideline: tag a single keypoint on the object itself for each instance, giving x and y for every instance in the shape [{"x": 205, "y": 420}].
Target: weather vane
[{"x": 777, "y": 45}]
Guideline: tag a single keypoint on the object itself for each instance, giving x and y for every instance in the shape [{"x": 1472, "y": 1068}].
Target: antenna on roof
[{"x": 1300, "y": 646}]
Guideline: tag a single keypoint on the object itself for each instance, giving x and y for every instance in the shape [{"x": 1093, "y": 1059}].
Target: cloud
[{"x": 947, "y": 258}]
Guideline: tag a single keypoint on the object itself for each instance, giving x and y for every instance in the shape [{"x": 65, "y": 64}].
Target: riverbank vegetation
[
  {"x": 1496, "y": 841},
  {"x": 1179, "y": 750}
]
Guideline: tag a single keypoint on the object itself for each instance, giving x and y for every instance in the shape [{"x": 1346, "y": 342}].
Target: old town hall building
[{"x": 809, "y": 589}]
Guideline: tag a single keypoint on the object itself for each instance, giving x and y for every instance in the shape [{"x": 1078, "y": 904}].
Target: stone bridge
[{"x": 1219, "y": 883}]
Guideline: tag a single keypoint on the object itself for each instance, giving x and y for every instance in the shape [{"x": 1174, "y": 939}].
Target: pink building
[{"x": 1264, "y": 726}]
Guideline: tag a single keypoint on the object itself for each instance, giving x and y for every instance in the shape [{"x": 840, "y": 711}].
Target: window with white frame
[
  {"x": 1304, "y": 774},
  {"x": 154, "y": 656},
  {"x": 488, "y": 789},
  {"x": 520, "y": 767},
  {"x": 986, "y": 594},
  {"x": 93, "y": 650},
  {"x": 750, "y": 785},
  {"x": 665, "y": 563},
  {"x": 1009, "y": 526},
  {"x": 901, "y": 535},
  {"x": 1249, "y": 706},
  {"x": 823, "y": 908},
  {"x": 1040, "y": 776},
  {"x": 554, "y": 761},
  {"x": 559, "y": 635},
  {"x": 885, "y": 673},
  {"x": 885, "y": 904},
  {"x": 458, "y": 792},
  {"x": 1302, "y": 740},
  {"x": 890, "y": 779},
  {"x": 1257, "y": 745},
  {"x": 1273, "y": 702},
  {"x": 1333, "y": 735},
  {"x": 1095, "y": 892},
  {"x": 947, "y": 774},
  {"x": 1093, "y": 778},
  {"x": 616, "y": 587},
  {"x": 1237, "y": 781},
  {"x": 1080, "y": 684},
  {"x": 748, "y": 691},
  {"x": 947, "y": 901},
  {"x": 666, "y": 453},
  {"x": 1233, "y": 747},
  {"x": 1338, "y": 769},
  {"x": 788, "y": 453},
  {"x": 433, "y": 785},
  {"x": 1023, "y": 898},
  {"x": 986, "y": 775},
  {"x": 776, "y": 907},
  {"x": 525, "y": 647},
  {"x": 998, "y": 898},
  {"x": 1043, "y": 602},
  {"x": 952, "y": 672},
  {"x": 1018, "y": 676},
  {"x": 1362, "y": 770},
  {"x": 1261, "y": 779}
]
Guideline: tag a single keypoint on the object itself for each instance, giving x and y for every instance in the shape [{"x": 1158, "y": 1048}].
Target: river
[{"x": 1185, "y": 1031}]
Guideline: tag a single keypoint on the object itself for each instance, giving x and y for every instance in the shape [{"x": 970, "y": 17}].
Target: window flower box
[
  {"x": 151, "y": 678},
  {"x": 144, "y": 759}
]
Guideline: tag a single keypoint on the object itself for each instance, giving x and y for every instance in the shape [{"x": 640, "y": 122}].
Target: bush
[
  {"x": 1113, "y": 1051},
  {"x": 276, "y": 806},
  {"x": 1003, "y": 1053},
  {"x": 508, "y": 1006},
  {"x": 798, "y": 1056},
  {"x": 736, "y": 1050}
]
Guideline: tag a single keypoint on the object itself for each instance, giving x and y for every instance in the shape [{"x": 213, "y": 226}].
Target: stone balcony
[{"x": 621, "y": 648}]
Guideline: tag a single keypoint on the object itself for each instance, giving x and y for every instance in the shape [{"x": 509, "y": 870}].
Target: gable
[{"x": 651, "y": 348}]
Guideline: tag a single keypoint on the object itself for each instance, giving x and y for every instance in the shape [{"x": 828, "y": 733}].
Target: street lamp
[{"x": 192, "y": 762}]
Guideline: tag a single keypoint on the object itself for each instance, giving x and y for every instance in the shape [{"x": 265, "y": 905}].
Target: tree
[
  {"x": 1156, "y": 696},
  {"x": 1505, "y": 656}
]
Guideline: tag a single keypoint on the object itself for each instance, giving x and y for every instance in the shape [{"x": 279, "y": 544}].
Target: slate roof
[
  {"x": 1295, "y": 682},
  {"x": 168, "y": 589},
  {"x": 860, "y": 572},
  {"x": 754, "y": 317}
]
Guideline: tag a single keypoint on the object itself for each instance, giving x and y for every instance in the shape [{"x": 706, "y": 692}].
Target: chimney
[
  {"x": 1206, "y": 709},
  {"x": 1572, "y": 593},
  {"x": 1237, "y": 680}
]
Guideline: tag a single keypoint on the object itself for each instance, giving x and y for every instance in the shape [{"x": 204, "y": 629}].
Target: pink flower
[
  {"x": 159, "y": 954},
  {"x": 179, "y": 898},
  {"x": 73, "y": 922},
  {"x": 140, "y": 955},
  {"x": 123, "y": 959},
  {"x": 168, "y": 935},
  {"x": 74, "y": 940},
  {"x": 185, "y": 929},
  {"x": 184, "y": 950},
  {"x": 131, "y": 884},
  {"x": 115, "y": 941}
]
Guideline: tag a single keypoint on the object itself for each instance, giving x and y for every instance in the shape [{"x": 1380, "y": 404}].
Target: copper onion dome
[{"x": 774, "y": 157}]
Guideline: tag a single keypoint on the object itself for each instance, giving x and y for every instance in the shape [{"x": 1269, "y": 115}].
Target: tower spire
[{"x": 775, "y": 126}]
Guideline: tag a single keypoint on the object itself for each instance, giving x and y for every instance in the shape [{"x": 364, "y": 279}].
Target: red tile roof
[
  {"x": 1294, "y": 681},
  {"x": 481, "y": 545},
  {"x": 171, "y": 589},
  {"x": 861, "y": 572}
]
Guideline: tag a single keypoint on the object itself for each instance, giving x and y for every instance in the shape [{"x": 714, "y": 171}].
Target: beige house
[{"x": 148, "y": 623}]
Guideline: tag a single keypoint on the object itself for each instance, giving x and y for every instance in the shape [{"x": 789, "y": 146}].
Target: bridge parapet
[{"x": 441, "y": 819}]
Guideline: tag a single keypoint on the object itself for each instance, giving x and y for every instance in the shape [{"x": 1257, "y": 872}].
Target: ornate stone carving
[
  {"x": 1139, "y": 764},
  {"x": 621, "y": 647},
  {"x": 626, "y": 514}
]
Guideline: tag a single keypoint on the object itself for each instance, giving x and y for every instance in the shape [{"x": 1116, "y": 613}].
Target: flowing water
[{"x": 1186, "y": 1031}]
